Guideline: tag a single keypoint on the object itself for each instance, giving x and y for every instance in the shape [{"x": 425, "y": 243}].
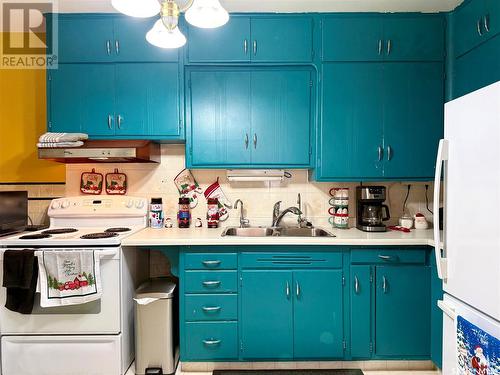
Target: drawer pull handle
[
  {"x": 211, "y": 309},
  {"x": 211, "y": 283},
  {"x": 385, "y": 257},
  {"x": 211, "y": 263},
  {"x": 211, "y": 342}
]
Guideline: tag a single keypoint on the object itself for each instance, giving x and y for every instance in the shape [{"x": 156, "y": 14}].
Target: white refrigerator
[{"x": 468, "y": 260}]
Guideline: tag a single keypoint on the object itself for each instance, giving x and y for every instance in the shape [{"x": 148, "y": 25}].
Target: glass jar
[
  {"x": 184, "y": 213},
  {"x": 156, "y": 213},
  {"x": 213, "y": 215}
]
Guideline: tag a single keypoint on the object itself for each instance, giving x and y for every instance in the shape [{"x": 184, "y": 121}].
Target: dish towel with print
[
  {"x": 20, "y": 276},
  {"x": 59, "y": 144},
  {"x": 69, "y": 277}
]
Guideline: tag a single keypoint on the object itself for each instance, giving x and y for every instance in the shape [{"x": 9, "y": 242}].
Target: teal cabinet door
[
  {"x": 402, "y": 313},
  {"x": 413, "y": 38},
  {"x": 478, "y": 68},
  {"x": 229, "y": 43},
  {"x": 468, "y": 28},
  {"x": 220, "y": 118},
  {"x": 66, "y": 103},
  {"x": 85, "y": 39},
  {"x": 281, "y": 117},
  {"x": 130, "y": 45},
  {"x": 350, "y": 135},
  {"x": 413, "y": 118},
  {"x": 147, "y": 100},
  {"x": 98, "y": 93},
  {"x": 361, "y": 311},
  {"x": 318, "y": 308},
  {"x": 493, "y": 17},
  {"x": 436, "y": 315},
  {"x": 266, "y": 314},
  {"x": 352, "y": 38},
  {"x": 282, "y": 39}
]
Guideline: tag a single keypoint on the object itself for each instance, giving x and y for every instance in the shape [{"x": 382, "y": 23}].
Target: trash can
[{"x": 155, "y": 328}]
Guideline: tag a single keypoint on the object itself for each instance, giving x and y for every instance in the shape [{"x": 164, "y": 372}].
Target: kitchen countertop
[{"x": 205, "y": 236}]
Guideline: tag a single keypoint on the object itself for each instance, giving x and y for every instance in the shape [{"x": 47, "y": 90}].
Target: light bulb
[
  {"x": 162, "y": 37},
  {"x": 207, "y": 14},
  {"x": 137, "y": 8}
]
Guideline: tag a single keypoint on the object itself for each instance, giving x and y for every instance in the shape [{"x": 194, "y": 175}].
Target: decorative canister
[
  {"x": 156, "y": 213},
  {"x": 213, "y": 215},
  {"x": 184, "y": 213}
]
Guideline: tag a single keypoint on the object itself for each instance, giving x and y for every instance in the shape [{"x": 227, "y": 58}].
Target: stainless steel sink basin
[{"x": 275, "y": 232}]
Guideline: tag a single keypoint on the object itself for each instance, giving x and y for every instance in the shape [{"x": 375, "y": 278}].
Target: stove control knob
[
  {"x": 130, "y": 203},
  {"x": 55, "y": 205},
  {"x": 65, "y": 204},
  {"x": 139, "y": 204}
]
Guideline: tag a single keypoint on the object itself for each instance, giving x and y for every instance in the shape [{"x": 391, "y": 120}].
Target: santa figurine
[{"x": 479, "y": 361}]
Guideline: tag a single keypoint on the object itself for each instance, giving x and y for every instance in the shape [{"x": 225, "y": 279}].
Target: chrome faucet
[
  {"x": 243, "y": 221},
  {"x": 277, "y": 216}
]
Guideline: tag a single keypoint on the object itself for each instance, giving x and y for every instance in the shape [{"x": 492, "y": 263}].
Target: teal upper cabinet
[
  {"x": 104, "y": 38},
  {"x": 475, "y": 22},
  {"x": 402, "y": 296},
  {"x": 266, "y": 318},
  {"x": 373, "y": 37},
  {"x": 283, "y": 38},
  {"x": 242, "y": 118},
  {"x": 229, "y": 43}
]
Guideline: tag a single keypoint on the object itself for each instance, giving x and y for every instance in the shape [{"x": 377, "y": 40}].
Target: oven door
[{"x": 97, "y": 317}]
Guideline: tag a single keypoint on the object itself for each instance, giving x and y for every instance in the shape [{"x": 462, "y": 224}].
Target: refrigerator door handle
[
  {"x": 447, "y": 309},
  {"x": 441, "y": 262}
]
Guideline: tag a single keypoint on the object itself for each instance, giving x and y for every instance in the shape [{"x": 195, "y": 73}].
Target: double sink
[{"x": 275, "y": 232}]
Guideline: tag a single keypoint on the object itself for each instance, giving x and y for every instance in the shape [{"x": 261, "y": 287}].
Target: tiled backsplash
[{"x": 156, "y": 180}]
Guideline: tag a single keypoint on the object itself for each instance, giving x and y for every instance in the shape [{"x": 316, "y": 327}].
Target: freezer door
[
  {"x": 452, "y": 310},
  {"x": 472, "y": 199}
]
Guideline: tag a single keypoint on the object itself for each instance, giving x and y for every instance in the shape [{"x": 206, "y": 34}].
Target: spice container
[
  {"x": 156, "y": 213},
  {"x": 184, "y": 213},
  {"x": 213, "y": 215}
]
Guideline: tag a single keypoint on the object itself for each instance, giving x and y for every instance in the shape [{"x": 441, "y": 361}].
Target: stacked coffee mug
[{"x": 339, "y": 209}]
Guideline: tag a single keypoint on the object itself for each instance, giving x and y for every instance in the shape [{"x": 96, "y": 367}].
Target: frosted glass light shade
[
  {"x": 160, "y": 36},
  {"x": 137, "y": 8},
  {"x": 207, "y": 14}
]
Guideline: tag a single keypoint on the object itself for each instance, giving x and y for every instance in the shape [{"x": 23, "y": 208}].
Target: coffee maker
[{"x": 371, "y": 207}]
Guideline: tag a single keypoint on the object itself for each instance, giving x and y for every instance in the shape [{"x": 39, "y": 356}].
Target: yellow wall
[{"x": 22, "y": 121}]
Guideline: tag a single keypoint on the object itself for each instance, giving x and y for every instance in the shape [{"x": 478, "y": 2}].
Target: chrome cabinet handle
[
  {"x": 487, "y": 23},
  {"x": 117, "y": 47},
  {"x": 255, "y": 47},
  {"x": 108, "y": 47},
  {"x": 287, "y": 290},
  {"x": 211, "y": 309},
  {"x": 110, "y": 121},
  {"x": 389, "y": 153},
  {"x": 297, "y": 289},
  {"x": 245, "y": 46},
  {"x": 211, "y": 283},
  {"x": 255, "y": 140},
  {"x": 212, "y": 342},
  {"x": 356, "y": 285},
  {"x": 246, "y": 141},
  {"x": 380, "y": 153},
  {"x": 389, "y": 47},
  {"x": 384, "y": 284},
  {"x": 385, "y": 257},
  {"x": 119, "y": 120},
  {"x": 210, "y": 263},
  {"x": 479, "y": 31},
  {"x": 380, "y": 47}
]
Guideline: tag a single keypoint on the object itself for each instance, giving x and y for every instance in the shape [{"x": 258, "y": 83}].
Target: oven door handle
[{"x": 102, "y": 253}]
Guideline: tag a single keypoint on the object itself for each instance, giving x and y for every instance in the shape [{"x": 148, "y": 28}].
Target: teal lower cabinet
[
  {"x": 212, "y": 340},
  {"x": 361, "y": 311}
]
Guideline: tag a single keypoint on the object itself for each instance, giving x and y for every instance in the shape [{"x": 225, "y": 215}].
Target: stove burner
[
  {"x": 96, "y": 236},
  {"x": 60, "y": 231},
  {"x": 35, "y": 236},
  {"x": 117, "y": 230}
]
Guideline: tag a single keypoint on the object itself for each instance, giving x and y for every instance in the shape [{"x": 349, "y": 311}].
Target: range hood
[{"x": 105, "y": 152}]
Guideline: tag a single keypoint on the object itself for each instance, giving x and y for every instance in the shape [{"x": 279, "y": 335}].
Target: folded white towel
[
  {"x": 69, "y": 277},
  {"x": 59, "y": 144},
  {"x": 62, "y": 137}
]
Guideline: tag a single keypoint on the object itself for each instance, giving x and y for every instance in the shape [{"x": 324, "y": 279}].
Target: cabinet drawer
[
  {"x": 291, "y": 260},
  {"x": 211, "y": 281},
  {"x": 388, "y": 256},
  {"x": 210, "y": 261},
  {"x": 209, "y": 340},
  {"x": 211, "y": 307}
]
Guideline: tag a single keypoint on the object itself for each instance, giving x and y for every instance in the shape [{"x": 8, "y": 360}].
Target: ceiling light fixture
[{"x": 165, "y": 33}]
